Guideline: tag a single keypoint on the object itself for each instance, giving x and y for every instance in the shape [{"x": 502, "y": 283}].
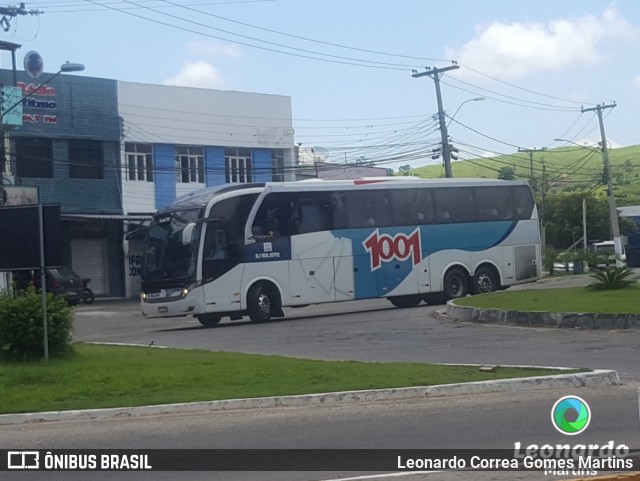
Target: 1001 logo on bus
[{"x": 385, "y": 247}]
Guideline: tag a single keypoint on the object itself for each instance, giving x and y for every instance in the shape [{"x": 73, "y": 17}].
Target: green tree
[
  {"x": 404, "y": 169},
  {"x": 507, "y": 173},
  {"x": 564, "y": 219}
]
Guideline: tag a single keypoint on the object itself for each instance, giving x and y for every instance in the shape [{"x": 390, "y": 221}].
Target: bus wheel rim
[
  {"x": 484, "y": 283},
  {"x": 264, "y": 305}
]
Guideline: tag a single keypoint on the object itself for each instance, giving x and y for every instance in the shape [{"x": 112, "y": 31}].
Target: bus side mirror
[{"x": 187, "y": 233}]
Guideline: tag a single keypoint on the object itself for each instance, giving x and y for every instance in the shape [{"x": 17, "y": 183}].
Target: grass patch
[
  {"x": 97, "y": 376},
  {"x": 574, "y": 299}
]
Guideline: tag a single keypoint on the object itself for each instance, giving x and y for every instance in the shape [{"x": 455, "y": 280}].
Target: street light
[
  {"x": 64, "y": 68},
  {"x": 613, "y": 211},
  {"x": 476, "y": 99}
]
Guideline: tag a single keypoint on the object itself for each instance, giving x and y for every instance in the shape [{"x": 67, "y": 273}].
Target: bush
[
  {"x": 21, "y": 335},
  {"x": 616, "y": 278}
]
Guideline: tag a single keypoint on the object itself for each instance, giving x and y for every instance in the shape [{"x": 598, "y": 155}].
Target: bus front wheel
[
  {"x": 456, "y": 284},
  {"x": 209, "y": 320},
  {"x": 260, "y": 301},
  {"x": 405, "y": 301}
]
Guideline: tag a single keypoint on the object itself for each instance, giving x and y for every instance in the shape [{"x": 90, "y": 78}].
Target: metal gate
[{"x": 89, "y": 259}]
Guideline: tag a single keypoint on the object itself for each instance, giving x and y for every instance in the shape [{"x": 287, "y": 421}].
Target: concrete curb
[
  {"x": 584, "y": 320},
  {"x": 593, "y": 378}
]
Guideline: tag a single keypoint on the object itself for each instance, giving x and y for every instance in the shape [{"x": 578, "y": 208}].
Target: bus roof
[
  {"x": 201, "y": 197},
  {"x": 398, "y": 182}
]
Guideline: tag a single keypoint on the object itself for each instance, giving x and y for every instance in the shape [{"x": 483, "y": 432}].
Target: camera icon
[{"x": 23, "y": 460}]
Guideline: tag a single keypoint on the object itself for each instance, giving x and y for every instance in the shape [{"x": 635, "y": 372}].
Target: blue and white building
[{"x": 112, "y": 153}]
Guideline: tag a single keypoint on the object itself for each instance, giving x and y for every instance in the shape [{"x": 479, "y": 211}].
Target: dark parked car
[{"x": 62, "y": 281}]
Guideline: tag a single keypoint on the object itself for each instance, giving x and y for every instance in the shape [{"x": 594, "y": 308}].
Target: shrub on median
[
  {"x": 615, "y": 278},
  {"x": 21, "y": 335}
]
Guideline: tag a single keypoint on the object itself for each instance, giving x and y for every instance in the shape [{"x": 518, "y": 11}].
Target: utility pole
[
  {"x": 435, "y": 73},
  {"x": 11, "y": 47},
  {"x": 543, "y": 220},
  {"x": 613, "y": 211},
  {"x": 531, "y": 152}
]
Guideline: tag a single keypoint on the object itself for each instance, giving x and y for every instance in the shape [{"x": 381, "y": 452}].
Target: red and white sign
[{"x": 384, "y": 248}]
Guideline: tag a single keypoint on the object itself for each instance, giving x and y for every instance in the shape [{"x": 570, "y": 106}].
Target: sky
[{"x": 347, "y": 65}]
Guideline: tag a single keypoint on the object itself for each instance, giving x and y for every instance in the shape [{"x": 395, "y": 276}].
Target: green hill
[{"x": 567, "y": 169}]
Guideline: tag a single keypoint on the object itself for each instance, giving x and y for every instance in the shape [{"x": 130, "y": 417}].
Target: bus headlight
[
  {"x": 185, "y": 290},
  {"x": 143, "y": 296}
]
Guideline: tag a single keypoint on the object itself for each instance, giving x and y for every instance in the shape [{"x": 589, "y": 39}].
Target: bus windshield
[{"x": 166, "y": 254}]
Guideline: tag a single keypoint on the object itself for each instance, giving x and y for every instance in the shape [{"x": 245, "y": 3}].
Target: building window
[
  {"x": 34, "y": 157},
  {"x": 277, "y": 162},
  {"x": 238, "y": 166},
  {"x": 139, "y": 161},
  {"x": 190, "y": 164},
  {"x": 86, "y": 159}
]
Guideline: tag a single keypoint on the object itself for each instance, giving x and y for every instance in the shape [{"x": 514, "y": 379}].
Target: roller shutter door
[{"x": 90, "y": 260}]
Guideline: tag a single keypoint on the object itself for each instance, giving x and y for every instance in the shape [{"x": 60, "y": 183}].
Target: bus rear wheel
[
  {"x": 260, "y": 302},
  {"x": 209, "y": 320},
  {"x": 484, "y": 281},
  {"x": 405, "y": 301},
  {"x": 456, "y": 284}
]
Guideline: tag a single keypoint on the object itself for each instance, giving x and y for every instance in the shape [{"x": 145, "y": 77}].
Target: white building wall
[
  {"x": 137, "y": 196},
  {"x": 198, "y": 117}
]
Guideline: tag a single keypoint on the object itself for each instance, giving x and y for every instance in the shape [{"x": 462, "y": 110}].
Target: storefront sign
[{"x": 33, "y": 64}]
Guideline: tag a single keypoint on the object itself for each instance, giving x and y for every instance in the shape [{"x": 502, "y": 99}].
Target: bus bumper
[{"x": 174, "y": 307}]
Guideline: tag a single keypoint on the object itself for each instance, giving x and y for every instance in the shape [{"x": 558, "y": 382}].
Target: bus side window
[
  {"x": 369, "y": 208},
  {"x": 523, "y": 202},
  {"x": 486, "y": 203},
  {"x": 277, "y": 216},
  {"x": 339, "y": 210},
  {"x": 454, "y": 204},
  {"x": 412, "y": 206},
  {"x": 316, "y": 212},
  {"x": 424, "y": 207}
]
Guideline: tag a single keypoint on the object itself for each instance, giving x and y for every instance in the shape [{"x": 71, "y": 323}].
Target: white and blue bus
[{"x": 253, "y": 249}]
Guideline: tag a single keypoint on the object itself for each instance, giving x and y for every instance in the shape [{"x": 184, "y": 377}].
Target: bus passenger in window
[{"x": 371, "y": 209}]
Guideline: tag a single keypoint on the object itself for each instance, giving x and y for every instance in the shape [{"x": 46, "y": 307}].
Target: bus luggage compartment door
[
  {"x": 526, "y": 267},
  {"x": 312, "y": 280}
]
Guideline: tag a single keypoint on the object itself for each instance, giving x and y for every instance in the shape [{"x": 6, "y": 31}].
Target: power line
[
  {"x": 524, "y": 89},
  {"x": 332, "y": 59},
  {"x": 377, "y": 52}
]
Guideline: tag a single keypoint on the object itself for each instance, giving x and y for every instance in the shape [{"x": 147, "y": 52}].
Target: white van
[{"x": 608, "y": 247}]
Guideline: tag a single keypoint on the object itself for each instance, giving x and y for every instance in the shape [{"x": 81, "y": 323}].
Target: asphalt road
[{"x": 370, "y": 331}]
